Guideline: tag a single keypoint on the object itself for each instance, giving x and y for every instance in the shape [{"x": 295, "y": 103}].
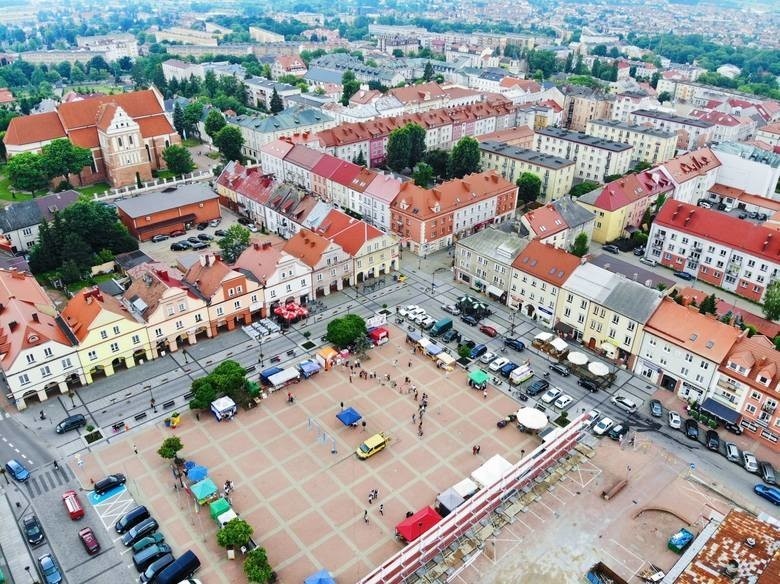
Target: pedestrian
[
  {"x": 370, "y": 496},
  {"x": 420, "y": 433},
  {"x": 414, "y": 416},
  {"x": 395, "y": 363},
  {"x": 484, "y": 393},
  {"x": 474, "y": 450},
  {"x": 415, "y": 395},
  {"x": 135, "y": 448},
  {"x": 364, "y": 425},
  {"x": 522, "y": 452},
  {"x": 342, "y": 406},
  {"x": 410, "y": 363},
  {"x": 382, "y": 509},
  {"x": 365, "y": 515},
  {"x": 478, "y": 448},
  {"x": 350, "y": 379}
]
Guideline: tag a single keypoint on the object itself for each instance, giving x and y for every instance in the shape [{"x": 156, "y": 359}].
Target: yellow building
[
  {"x": 109, "y": 337},
  {"x": 556, "y": 174},
  {"x": 650, "y": 145}
]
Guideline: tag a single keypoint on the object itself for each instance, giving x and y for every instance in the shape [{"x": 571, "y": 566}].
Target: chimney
[{"x": 35, "y": 317}]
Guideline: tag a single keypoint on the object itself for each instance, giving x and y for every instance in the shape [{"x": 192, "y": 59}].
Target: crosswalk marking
[{"x": 44, "y": 481}]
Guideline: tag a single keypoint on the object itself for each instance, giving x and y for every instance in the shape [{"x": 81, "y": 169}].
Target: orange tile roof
[
  {"x": 545, "y": 221},
  {"x": 85, "y": 137},
  {"x": 546, "y": 262},
  {"x": 82, "y": 310},
  {"x": 105, "y": 115},
  {"x": 307, "y": 246},
  {"x": 513, "y": 136},
  {"x": 759, "y": 356},
  {"x": 757, "y": 563},
  {"x": 261, "y": 259},
  {"x": 771, "y": 128},
  {"x": 691, "y": 165},
  {"x": 36, "y": 128},
  {"x": 82, "y": 113},
  {"x": 697, "y": 333},
  {"x": 155, "y": 126},
  {"x": 418, "y": 93},
  {"x": 350, "y": 233},
  {"x": 620, "y": 193},
  {"x": 207, "y": 279}
]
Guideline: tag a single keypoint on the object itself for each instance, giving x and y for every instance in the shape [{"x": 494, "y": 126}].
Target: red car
[
  {"x": 488, "y": 330},
  {"x": 178, "y": 232},
  {"x": 89, "y": 540}
]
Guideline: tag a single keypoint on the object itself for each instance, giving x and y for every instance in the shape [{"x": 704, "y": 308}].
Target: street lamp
[
  {"x": 71, "y": 395},
  {"x": 151, "y": 399}
]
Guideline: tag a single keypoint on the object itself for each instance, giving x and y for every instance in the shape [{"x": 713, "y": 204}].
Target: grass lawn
[
  {"x": 190, "y": 142},
  {"x": 88, "y": 191},
  {"x": 81, "y": 284},
  {"x": 6, "y": 192},
  {"x": 166, "y": 174},
  {"x": 94, "y": 88}
]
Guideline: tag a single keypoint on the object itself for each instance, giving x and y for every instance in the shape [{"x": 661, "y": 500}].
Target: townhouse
[
  {"x": 619, "y": 206},
  {"x": 559, "y": 223},
  {"x": 20, "y": 222},
  {"x": 172, "y": 314},
  {"x": 428, "y": 220},
  {"x": 376, "y": 200},
  {"x": 484, "y": 261},
  {"x": 630, "y": 101},
  {"x": 556, "y": 174},
  {"x": 297, "y": 122},
  {"x": 297, "y": 165},
  {"x": 681, "y": 349},
  {"x": 604, "y": 310},
  {"x": 582, "y": 104},
  {"x": 288, "y": 65},
  {"x": 330, "y": 265},
  {"x": 650, "y": 145},
  {"x": 38, "y": 351},
  {"x": 769, "y": 134},
  {"x": 260, "y": 91},
  {"x": 231, "y": 295},
  {"x": 726, "y": 127},
  {"x": 746, "y": 389},
  {"x": 280, "y": 277},
  {"x": 692, "y": 133},
  {"x": 692, "y": 174},
  {"x": 108, "y": 336},
  {"x": 321, "y": 173},
  {"x": 538, "y": 273},
  {"x": 736, "y": 255},
  {"x": 594, "y": 158}
]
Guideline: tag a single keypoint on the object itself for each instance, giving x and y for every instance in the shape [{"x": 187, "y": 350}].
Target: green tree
[
  {"x": 529, "y": 187},
  {"x": 235, "y": 534},
  {"x": 70, "y": 272},
  {"x": 664, "y": 96},
  {"x": 170, "y": 448},
  {"x": 234, "y": 242},
  {"x": 398, "y": 148},
  {"x": 178, "y": 118},
  {"x": 203, "y": 393},
  {"x": 771, "y": 305},
  {"x": 398, "y": 53},
  {"x": 257, "y": 568},
  {"x": 599, "y": 51},
  {"x": 210, "y": 83},
  {"x": 659, "y": 202},
  {"x": 709, "y": 305},
  {"x": 416, "y": 143},
  {"x": 26, "y": 172},
  {"x": 423, "y": 175},
  {"x": 360, "y": 159},
  {"x": 178, "y": 159},
  {"x": 61, "y": 158},
  {"x": 350, "y": 86},
  {"x": 582, "y": 188},
  {"x": 580, "y": 247},
  {"x": 215, "y": 121},
  {"x": 276, "y": 102},
  {"x": 229, "y": 142},
  {"x": 192, "y": 113},
  {"x": 267, "y": 71},
  {"x": 75, "y": 249},
  {"x": 465, "y": 158},
  {"x": 439, "y": 160},
  {"x": 229, "y": 378},
  {"x": 428, "y": 71},
  {"x": 344, "y": 331}
]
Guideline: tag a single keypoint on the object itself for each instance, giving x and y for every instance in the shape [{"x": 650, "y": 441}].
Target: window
[
  {"x": 651, "y": 342},
  {"x": 92, "y": 355},
  {"x": 114, "y": 347},
  {"x": 273, "y": 294},
  {"x": 116, "y": 330},
  {"x": 47, "y": 352},
  {"x": 751, "y": 409},
  {"x": 689, "y": 358},
  {"x": 303, "y": 282},
  {"x": 627, "y": 340},
  {"x": 612, "y": 333},
  {"x": 615, "y": 319},
  {"x": 169, "y": 310},
  {"x": 704, "y": 365},
  {"x": 584, "y": 304},
  {"x": 135, "y": 339},
  {"x": 198, "y": 318},
  {"x": 237, "y": 305},
  {"x": 30, "y": 358},
  {"x": 158, "y": 332},
  {"x": 179, "y": 325},
  {"x": 631, "y": 325},
  {"x": 182, "y": 307},
  {"x": 683, "y": 371},
  {"x": 24, "y": 379},
  {"x": 569, "y": 298},
  {"x": 45, "y": 371},
  {"x": 580, "y": 318},
  {"x": 755, "y": 395},
  {"x": 66, "y": 363},
  {"x": 567, "y": 311},
  {"x": 103, "y": 335},
  {"x": 220, "y": 311}
]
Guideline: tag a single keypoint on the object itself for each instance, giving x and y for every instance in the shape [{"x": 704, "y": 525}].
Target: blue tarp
[
  {"x": 349, "y": 416},
  {"x": 197, "y": 473},
  {"x": 321, "y": 577},
  {"x": 266, "y": 374},
  {"x": 413, "y": 336},
  {"x": 309, "y": 367},
  {"x": 433, "y": 349}
]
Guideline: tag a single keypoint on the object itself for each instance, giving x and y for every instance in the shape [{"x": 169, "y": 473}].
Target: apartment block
[
  {"x": 650, "y": 145},
  {"x": 483, "y": 261},
  {"x": 261, "y": 35},
  {"x": 691, "y": 133},
  {"x": 594, "y": 158},
  {"x": 693, "y": 174}
]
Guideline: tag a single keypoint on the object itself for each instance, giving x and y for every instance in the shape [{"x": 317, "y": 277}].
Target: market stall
[
  {"x": 379, "y": 335},
  {"x": 266, "y": 374},
  {"x": 223, "y": 408},
  {"x": 531, "y": 419},
  {"x": 542, "y": 339},
  {"x": 466, "y": 488},
  {"x": 560, "y": 347},
  {"x": 284, "y": 378},
  {"x": 321, "y": 577},
  {"x": 487, "y": 474},
  {"x": 415, "y": 525},
  {"x": 433, "y": 351},
  {"x": 478, "y": 379},
  {"x": 413, "y": 337},
  {"x": 445, "y": 361},
  {"x": 448, "y": 501},
  {"x": 327, "y": 357},
  {"x": 290, "y": 313},
  {"x": 308, "y": 368},
  {"x": 349, "y": 416},
  {"x": 598, "y": 369},
  {"x": 204, "y": 491}
]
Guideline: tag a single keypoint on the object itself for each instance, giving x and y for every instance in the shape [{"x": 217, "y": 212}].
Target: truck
[
  {"x": 441, "y": 326},
  {"x": 522, "y": 373}
]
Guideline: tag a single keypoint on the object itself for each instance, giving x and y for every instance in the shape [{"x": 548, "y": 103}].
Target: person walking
[
  {"x": 382, "y": 509},
  {"x": 474, "y": 450},
  {"x": 414, "y": 418},
  {"x": 478, "y": 448},
  {"x": 484, "y": 393},
  {"x": 370, "y": 496},
  {"x": 365, "y": 515}
]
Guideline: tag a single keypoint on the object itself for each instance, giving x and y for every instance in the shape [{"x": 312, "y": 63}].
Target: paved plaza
[{"x": 306, "y": 502}]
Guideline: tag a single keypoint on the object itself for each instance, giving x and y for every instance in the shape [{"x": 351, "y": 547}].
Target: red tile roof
[
  {"x": 307, "y": 246},
  {"x": 771, "y": 128},
  {"x": 304, "y": 157},
  {"x": 82, "y": 113},
  {"x": 6, "y": 96},
  {"x": 362, "y": 180},
  {"x": 344, "y": 174},
  {"x": 326, "y": 166},
  {"x": 350, "y": 233},
  {"x": 546, "y": 262},
  {"x": 155, "y": 126},
  {"x": 620, "y": 193},
  {"x": 261, "y": 259},
  {"x": 418, "y": 93},
  {"x": 37, "y": 128},
  {"x": 715, "y": 226},
  {"x": 545, "y": 221},
  {"x": 715, "y": 117},
  {"x": 82, "y": 310},
  {"x": 692, "y": 165},
  {"x": 85, "y": 137},
  {"x": 527, "y": 85}
]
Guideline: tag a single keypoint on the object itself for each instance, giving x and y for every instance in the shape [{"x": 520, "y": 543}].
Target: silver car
[{"x": 749, "y": 462}]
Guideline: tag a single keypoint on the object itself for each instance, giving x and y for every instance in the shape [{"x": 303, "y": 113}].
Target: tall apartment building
[
  {"x": 582, "y": 104},
  {"x": 650, "y": 145},
  {"x": 115, "y": 46},
  {"x": 264, "y": 36},
  {"x": 483, "y": 261},
  {"x": 691, "y": 133},
  {"x": 594, "y": 158},
  {"x": 186, "y": 36}
]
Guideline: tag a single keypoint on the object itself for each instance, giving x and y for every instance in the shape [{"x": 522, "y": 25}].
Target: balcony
[{"x": 769, "y": 408}]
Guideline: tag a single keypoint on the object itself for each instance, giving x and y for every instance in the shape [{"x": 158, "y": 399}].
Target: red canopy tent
[
  {"x": 291, "y": 311},
  {"x": 414, "y": 526}
]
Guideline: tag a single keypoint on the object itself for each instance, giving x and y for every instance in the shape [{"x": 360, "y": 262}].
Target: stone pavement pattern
[{"x": 305, "y": 503}]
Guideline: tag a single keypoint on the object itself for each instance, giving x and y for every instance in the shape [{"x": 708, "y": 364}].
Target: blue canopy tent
[
  {"x": 349, "y": 416},
  {"x": 321, "y": 577},
  {"x": 197, "y": 473},
  {"x": 188, "y": 464}
]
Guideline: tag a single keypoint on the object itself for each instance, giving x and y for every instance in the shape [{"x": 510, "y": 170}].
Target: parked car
[
  {"x": 90, "y": 542},
  {"x": 153, "y": 539},
  {"x": 488, "y": 330},
  {"x": 618, "y": 431},
  {"x": 49, "y": 569},
  {"x": 202, "y": 226},
  {"x": 157, "y": 566},
  {"x": 244, "y": 221},
  {"x": 478, "y": 351},
  {"x": 71, "y": 423},
  {"x": 17, "y": 470},
  {"x": 560, "y": 369},
  {"x": 219, "y": 233},
  {"x": 675, "y": 421},
  {"x": 110, "y": 482},
  {"x": 253, "y": 228},
  {"x": 469, "y": 320},
  {"x": 146, "y": 527},
  {"x": 639, "y": 251},
  {"x": 498, "y": 363},
  {"x": 451, "y": 308},
  {"x": 732, "y": 452},
  {"x": 602, "y": 426},
  {"x": 450, "y": 336},
  {"x": 712, "y": 440},
  {"x": 656, "y": 410},
  {"x": 146, "y": 556},
  {"x": 33, "y": 530},
  {"x": 749, "y": 462},
  {"x": 177, "y": 233},
  {"x": 193, "y": 239},
  {"x": 733, "y": 428},
  {"x": 131, "y": 519},
  {"x": 215, "y": 222},
  {"x": 624, "y": 403},
  {"x": 588, "y": 384},
  {"x": 692, "y": 429},
  {"x": 563, "y": 401},
  {"x": 592, "y": 418},
  {"x": 771, "y": 494},
  {"x": 611, "y": 248},
  {"x": 515, "y": 344},
  {"x": 487, "y": 357},
  {"x": 427, "y": 322},
  {"x": 551, "y": 395},
  {"x": 684, "y": 275},
  {"x": 767, "y": 472},
  {"x": 648, "y": 262},
  {"x": 407, "y": 310},
  {"x": 180, "y": 246},
  {"x": 537, "y": 387},
  {"x": 205, "y": 237},
  {"x": 159, "y": 238}
]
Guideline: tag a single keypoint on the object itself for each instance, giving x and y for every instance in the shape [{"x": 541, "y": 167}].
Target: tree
[
  {"x": 215, "y": 121},
  {"x": 235, "y": 534},
  {"x": 360, "y": 159},
  {"x": 350, "y": 86},
  {"x": 344, "y": 331},
  {"x": 398, "y": 148},
  {"x": 416, "y": 143},
  {"x": 529, "y": 186},
  {"x": 664, "y": 96},
  {"x": 266, "y": 71},
  {"x": 203, "y": 393},
  {"x": 582, "y": 188},
  {"x": 613, "y": 52},
  {"x": 398, "y": 53},
  {"x": 439, "y": 161},
  {"x": 178, "y": 119},
  {"x": 599, "y": 51},
  {"x": 61, "y": 158},
  {"x": 771, "y": 306},
  {"x": 257, "y": 568},
  {"x": 178, "y": 159},
  {"x": 465, "y": 158},
  {"x": 276, "y": 102},
  {"x": 192, "y": 113},
  {"x": 170, "y": 447},
  {"x": 75, "y": 249},
  {"x": 709, "y": 305},
  {"x": 580, "y": 247},
  {"x": 229, "y": 142},
  {"x": 428, "y": 71},
  {"x": 229, "y": 378},
  {"x": 234, "y": 242},
  {"x": 26, "y": 173},
  {"x": 423, "y": 175}
]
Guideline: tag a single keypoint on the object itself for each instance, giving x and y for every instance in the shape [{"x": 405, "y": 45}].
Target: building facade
[
  {"x": 692, "y": 133},
  {"x": 650, "y": 145},
  {"x": 594, "y": 158},
  {"x": 483, "y": 261}
]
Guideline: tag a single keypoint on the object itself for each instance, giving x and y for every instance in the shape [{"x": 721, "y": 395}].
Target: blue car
[
  {"x": 16, "y": 469},
  {"x": 515, "y": 344},
  {"x": 49, "y": 570},
  {"x": 771, "y": 494},
  {"x": 507, "y": 369},
  {"x": 478, "y": 351}
]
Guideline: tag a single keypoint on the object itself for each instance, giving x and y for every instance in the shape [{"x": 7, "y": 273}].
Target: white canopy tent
[{"x": 491, "y": 471}]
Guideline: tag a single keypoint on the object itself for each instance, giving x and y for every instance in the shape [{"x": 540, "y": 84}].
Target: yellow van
[{"x": 372, "y": 445}]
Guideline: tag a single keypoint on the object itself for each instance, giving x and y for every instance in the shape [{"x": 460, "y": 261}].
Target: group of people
[{"x": 373, "y": 495}]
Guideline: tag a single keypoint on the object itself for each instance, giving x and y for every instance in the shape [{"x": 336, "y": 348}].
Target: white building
[
  {"x": 747, "y": 167},
  {"x": 594, "y": 158}
]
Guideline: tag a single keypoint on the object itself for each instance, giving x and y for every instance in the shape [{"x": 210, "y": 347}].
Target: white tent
[
  {"x": 491, "y": 471},
  {"x": 544, "y": 337},
  {"x": 559, "y": 344},
  {"x": 466, "y": 488},
  {"x": 223, "y": 407}
]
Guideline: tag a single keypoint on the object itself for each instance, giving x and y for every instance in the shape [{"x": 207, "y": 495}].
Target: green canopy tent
[
  {"x": 219, "y": 507},
  {"x": 478, "y": 379}
]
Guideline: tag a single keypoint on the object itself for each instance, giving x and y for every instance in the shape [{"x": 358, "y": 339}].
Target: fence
[
  {"x": 417, "y": 554},
  {"x": 152, "y": 185}
]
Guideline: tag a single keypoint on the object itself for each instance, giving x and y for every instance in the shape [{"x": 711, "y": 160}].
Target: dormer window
[{"x": 763, "y": 380}]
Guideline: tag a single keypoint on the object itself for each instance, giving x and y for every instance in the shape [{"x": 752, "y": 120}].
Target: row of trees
[{"x": 32, "y": 172}]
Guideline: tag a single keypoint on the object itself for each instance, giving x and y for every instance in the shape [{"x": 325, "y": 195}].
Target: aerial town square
[{"x": 390, "y": 292}]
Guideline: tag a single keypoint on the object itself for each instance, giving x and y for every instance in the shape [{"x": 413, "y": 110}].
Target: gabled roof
[
  {"x": 304, "y": 157},
  {"x": 573, "y": 214},
  {"x": 592, "y": 282},
  {"x": 169, "y": 198},
  {"x": 137, "y": 104},
  {"x": 326, "y": 166},
  {"x": 261, "y": 259},
  {"x": 418, "y": 93},
  {"x": 82, "y": 310},
  {"x": 35, "y": 128},
  {"x": 692, "y": 165},
  {"x": 277, "y": 148},
  {"x": 757, "y": 354},
  {"x": 205, "y": 277},
  {"x": 148, "y": 287},
  {"x": 545, "y": 221},
  {"x": 345, "y": 173},
  {"x": 56, "y": 202},
  {"x": 547, "y": 263},
  {"x": 19, "y": 215},
  {"x": 362, "y": 180},
  {"x": 617, "y": 194},
  {"x": 349, "y": 233},
  {"x": 384, "y": 188},
  {"x": 633, "y": 300},
  {"x": 307, "y": 246}
]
